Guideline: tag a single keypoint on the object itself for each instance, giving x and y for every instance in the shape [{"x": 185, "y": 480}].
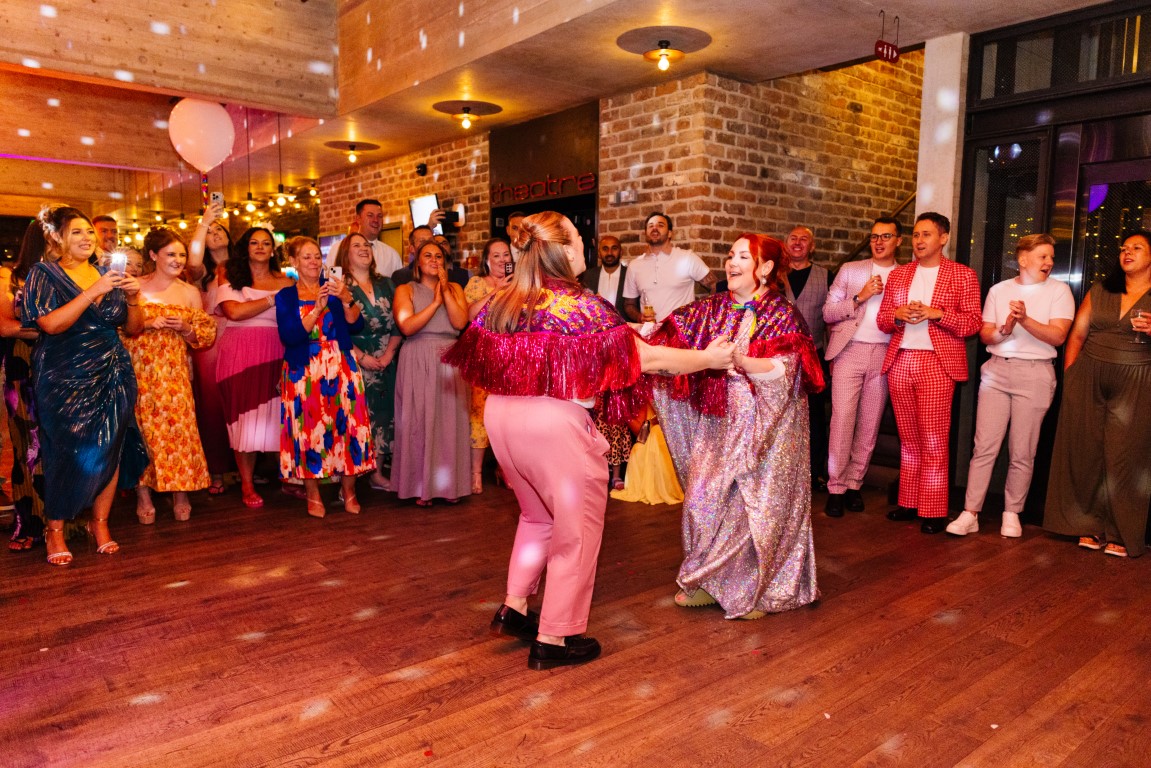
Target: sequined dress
[{"x": 740, "y": 445}]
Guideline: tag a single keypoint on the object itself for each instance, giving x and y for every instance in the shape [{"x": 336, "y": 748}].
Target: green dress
[{"x": 380, "y": 386}]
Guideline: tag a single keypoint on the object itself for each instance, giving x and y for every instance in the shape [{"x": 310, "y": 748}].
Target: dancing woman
[{"x": 543, "y": 348}]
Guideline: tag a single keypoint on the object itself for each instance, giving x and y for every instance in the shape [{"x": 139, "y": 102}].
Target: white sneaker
[
  {"x": 1010, "y": 528},
  {"x": 966, "y": 523}
]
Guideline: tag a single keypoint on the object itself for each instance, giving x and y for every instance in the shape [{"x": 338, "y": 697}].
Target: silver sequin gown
[{"x": 747, "y": 493}]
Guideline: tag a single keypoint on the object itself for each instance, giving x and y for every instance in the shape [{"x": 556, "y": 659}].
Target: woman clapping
[{"x": 326, "y": 430}]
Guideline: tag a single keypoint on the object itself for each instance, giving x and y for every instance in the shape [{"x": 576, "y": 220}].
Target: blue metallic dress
[{"x": 85, "y": 394}]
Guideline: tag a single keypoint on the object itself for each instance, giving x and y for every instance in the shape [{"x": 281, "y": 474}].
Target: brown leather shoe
[
  {"x": 508, "y": 621},
  {"x": 576, "y": 649}
]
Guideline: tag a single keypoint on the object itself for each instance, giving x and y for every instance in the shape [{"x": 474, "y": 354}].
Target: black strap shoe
[
  {"x": 834, "y": 506},
  {"x": 576, "y": 649},
  {"x": 512, "y": 623},
  {"x": 854, "y": 500},
  {"x": 903, "y": 514}
]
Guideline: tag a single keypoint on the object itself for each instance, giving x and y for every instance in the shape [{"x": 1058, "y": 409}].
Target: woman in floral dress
[
  {"x": 326, "y": 429},
  {"x": 165, "y": 409},
  {"x": 375, "y": 345}
]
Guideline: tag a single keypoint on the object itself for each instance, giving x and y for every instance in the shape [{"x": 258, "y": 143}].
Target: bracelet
[
  {"x": 130, "y": 304},
  {"x": 87, "y": 298},
  {"x": 272, "y": 300}
]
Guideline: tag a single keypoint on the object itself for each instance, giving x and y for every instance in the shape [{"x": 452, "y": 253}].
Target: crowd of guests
[{"x": 164, "y": 370}]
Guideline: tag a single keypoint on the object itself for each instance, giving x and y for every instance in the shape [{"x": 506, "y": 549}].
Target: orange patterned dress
[{"x": 165, "y": 409}]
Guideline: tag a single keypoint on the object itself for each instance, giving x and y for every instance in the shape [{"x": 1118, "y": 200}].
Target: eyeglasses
[{"x": 884, "y": 237}]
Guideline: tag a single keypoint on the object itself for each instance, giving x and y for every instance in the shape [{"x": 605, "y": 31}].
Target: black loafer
[
  {"x": 902, "y": 514},
  {"x": 576, "y": 649},
  {"x": 854, "y": 500},
  {"x": 512, "y": 623},
  {"x": 933, "y": 524},
  {"x": 834, "y": 507}
]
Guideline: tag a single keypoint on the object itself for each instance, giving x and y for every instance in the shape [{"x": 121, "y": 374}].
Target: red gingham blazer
[{"x": 956, "y": 293}]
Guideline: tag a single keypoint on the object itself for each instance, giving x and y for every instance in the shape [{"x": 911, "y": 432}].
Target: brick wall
[
  {"x": 457, "y": 171},
  {"x": 830, "y": 150}
]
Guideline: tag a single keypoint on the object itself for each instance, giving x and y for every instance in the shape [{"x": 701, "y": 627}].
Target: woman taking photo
[
  {"x": 173, "y": 323},
  {"x": 495, "y": 272},
  {"x": 84, "y": 386},
  {"x": 543, "y": 349},
  {"x": 431, "y": 459},
  {"x": 251, "y": 356},
  {"x": 207, "y": 255},
  {"x": 27, "y": 474},
  {"x": 376, "y": 342},
  {"x": 326, "y": 432},
  {"x": 1098, "y": 489},
  {"x": 740, "y": 441}
]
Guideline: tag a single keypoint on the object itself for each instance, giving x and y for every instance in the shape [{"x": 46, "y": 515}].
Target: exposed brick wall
[
  {"x": 457, "y": 170},
  {"x": 827, "y": 149}
]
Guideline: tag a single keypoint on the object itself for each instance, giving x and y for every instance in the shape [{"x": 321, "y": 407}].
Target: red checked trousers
[{"x": 921, "y": 394}]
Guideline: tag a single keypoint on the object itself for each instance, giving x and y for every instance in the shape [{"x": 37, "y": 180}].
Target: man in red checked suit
[{"x": 929, "y": 307}]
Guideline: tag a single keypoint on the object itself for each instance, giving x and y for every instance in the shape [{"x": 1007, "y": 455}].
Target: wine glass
[{"x": 1140, "y": 337}]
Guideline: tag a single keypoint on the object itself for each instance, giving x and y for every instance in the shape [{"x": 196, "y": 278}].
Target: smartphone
[
  {"x": 509, "y": 267},
  {"x": 217, "y": 198},
  {"x": 452, "y": 217},
  {"x": 336, "y": 273},
  {"x": 118, "y": 261}
]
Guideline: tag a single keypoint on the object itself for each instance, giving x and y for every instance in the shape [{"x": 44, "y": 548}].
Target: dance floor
[{"x": 267, "y": 638}]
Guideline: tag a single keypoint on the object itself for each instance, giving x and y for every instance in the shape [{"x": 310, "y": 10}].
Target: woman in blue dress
[{"x": 82, "y": 378}]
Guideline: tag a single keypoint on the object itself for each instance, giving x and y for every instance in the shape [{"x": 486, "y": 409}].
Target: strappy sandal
[
  {"x": 351, "y": 505},
  {"x": 477, "y": 482},
  {"x": 698, "y": 600},
  {"x": 423, "y": 502},
  {"x": 252, "y": 500},
  {"x": 316, "y": 508},
  {"x": 21, "y": 544},
  {"x": 182, "y": 512},
  {"x": 217, "y": 487},
  {"x": 60, "y": 556},
  {"x": 109, "y": 547}
]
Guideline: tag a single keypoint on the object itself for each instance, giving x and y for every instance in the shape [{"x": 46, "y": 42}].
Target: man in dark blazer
[{"x": 607, "y": 278}]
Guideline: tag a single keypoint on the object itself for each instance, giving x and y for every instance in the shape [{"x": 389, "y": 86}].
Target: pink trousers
[{"x": 555, "y": 461}]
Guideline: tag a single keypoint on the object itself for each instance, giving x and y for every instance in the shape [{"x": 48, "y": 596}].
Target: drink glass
[
  {"x": 1140, "y": 337},
  {"x": 647, "y": 311}
]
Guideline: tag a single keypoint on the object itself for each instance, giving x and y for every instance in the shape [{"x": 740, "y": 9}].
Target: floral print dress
[{"x": 327, "y": 432}]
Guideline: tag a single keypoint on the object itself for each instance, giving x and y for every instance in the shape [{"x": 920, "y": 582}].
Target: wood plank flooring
[{"x": 267, "y": 638}]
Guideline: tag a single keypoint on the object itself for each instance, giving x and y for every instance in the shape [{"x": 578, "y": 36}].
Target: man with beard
[
  {"x": 607, "y": 279},
  {"x": 107, "y": 234},
  {"x": 856, "y": 348},
  {"x": 664, "y": 277}
]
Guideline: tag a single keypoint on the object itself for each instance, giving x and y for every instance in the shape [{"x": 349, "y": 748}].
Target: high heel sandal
[
  {"x": 60, "y": 556},
  {"x": 182, "y": 512},
  {"x": 316, "y": 508},
  {"x": 351, "y": 504},
  {"x": 501, "y": 478},
  {"x": 252, "y": 500},
  {"x": 109, "y": 547},
  {"x": 477, "y": 482}
]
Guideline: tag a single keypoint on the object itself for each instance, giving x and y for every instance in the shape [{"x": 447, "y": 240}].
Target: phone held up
[
  {"x": 217, "y": 198},
  {"x": 509, "y": 268},
  {"x": 118, "y": 262}
]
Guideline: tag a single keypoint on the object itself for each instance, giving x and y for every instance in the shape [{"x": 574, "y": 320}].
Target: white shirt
[
  {"x": 666, "y": 280},
  {"x": 915, "y": 335},
  {"x": 1046, "y": 301},
  {"x": 387, "y": 258},
  {"x": 868, "y": 332},
  {"x": 609, "y": 283}
]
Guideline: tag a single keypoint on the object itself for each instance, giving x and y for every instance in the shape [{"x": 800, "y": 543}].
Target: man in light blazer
[
  {"x": 929, "y": 307},
  {"x": 607, "y": 278},
  {"x": 856, "y": 349}
]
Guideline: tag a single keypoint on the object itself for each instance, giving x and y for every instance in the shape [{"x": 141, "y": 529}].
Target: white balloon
[{"x": 202, "y": 133}]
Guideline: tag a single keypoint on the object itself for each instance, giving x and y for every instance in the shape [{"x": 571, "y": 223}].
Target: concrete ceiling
[{"x": 83, "y": 133}]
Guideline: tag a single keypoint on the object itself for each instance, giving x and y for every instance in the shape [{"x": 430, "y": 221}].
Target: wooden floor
[{"x": 266, "y": 638}]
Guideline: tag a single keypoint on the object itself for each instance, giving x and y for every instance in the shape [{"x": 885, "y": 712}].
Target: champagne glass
[{"x": 1140, "y": 337}]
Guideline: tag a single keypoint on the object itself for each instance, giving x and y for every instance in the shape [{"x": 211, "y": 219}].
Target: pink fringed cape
[
  {"x": 578, "y": 347},
  {"x": 779, "y": 330}
]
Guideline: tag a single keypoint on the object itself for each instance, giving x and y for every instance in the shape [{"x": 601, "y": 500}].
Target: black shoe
[
  {"x": 512, "y": 623},
  {"x": 854, "y": 500},
  {"x": 834, "y": 507},
  {"x": 577, "y": 649},
  {"x": 933, "y": 524},
  {"x": 819, "y": 484},
  {"x": 903, "y": 514}
]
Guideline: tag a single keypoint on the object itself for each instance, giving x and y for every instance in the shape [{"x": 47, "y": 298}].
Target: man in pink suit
[
  {"x": 929, "y": 307},
  {"x": 856, "y": 348}
]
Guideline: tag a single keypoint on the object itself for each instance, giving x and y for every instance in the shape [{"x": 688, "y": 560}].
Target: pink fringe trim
[{"x": 547, "y": 364}]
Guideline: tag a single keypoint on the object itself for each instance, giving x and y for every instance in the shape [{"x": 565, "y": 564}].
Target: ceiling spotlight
[
  {"x": 352, "y": 153},
  {"x": 312, "y": 190},
  {"x": 663, "y": 55},
  {"x": 251, "y": 206},
  {"x": 183, "y": 224}
]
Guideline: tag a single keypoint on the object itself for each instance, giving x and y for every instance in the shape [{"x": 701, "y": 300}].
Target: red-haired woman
[
  {"x": 740, "y": 441},
  {"x": 543, "y": 348}
]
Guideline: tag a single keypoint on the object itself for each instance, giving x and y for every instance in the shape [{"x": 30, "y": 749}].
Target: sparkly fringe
[{"x": 547, "y": 364}]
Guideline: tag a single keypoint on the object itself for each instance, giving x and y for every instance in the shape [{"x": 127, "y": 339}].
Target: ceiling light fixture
[
  {"x": 352, "y": 153},
  {"x": 465, "y": 118},
  {"x": 280, "y": 162},
  {"x": 466, "y": 113},
  {"x": 352, "y": 150},
  {"x": 251, "y": 206},
  {"x": 663, "y": 54}
]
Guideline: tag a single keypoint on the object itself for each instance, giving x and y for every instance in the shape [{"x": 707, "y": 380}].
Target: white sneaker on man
[
  {"x": 967, "y": 522},
  {"x": 1010, "y": 527}
]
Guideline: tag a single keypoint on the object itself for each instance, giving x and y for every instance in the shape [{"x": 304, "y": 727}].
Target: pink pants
[
  {"x": 921, "y": 394},
  {"x": 554, "y": 460},
  {"x": 858, "y": 397}
]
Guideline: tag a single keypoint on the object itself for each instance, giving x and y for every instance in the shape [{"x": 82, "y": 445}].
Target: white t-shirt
[
  {"x": 868, "y": 332},
  {"x": 915, "y": 335},
  {"x": 1046, "y": 301},
  {"x": 609, "y": 283},
  {"x": 387, "y": 258},
  {"x": 667, "y": 280}
]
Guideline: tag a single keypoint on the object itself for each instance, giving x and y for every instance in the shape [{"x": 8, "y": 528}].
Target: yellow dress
[
  {"x": 475, "y": 290},
  {"x": 650, "y": 474},
  {"x": 165, "y": 410}
]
